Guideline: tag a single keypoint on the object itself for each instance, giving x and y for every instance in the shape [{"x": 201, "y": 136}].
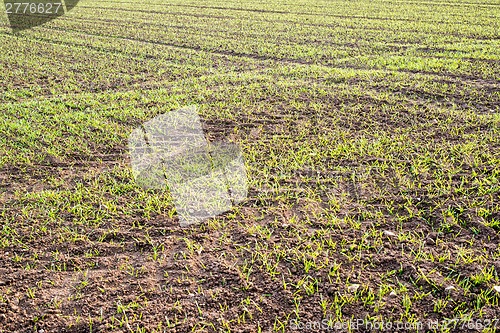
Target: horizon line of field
[
  {"x": 327, "y": 26},
  {"x": 255, "y": 34},
  {"x": 300, "y": 4},
  {"x": 346, "y": 17},
  {"x": 224, "y": 9},
  {"x": 286, "y": 21}
]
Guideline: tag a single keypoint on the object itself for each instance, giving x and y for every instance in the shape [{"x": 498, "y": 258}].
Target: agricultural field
[{"x": 371, "y": 137}]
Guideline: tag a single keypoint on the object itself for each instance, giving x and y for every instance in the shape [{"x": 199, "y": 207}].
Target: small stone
[
  {"x": 353, "y": 288},
  {"x": 450, "y": 288},
  {"x": 497, "y": 289},
  {"x": 393, "y": 294},
  {"x": 389, "y": 233}
]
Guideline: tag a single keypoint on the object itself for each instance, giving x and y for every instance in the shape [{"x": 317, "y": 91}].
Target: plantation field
[{"x": 371, "y": 135}]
